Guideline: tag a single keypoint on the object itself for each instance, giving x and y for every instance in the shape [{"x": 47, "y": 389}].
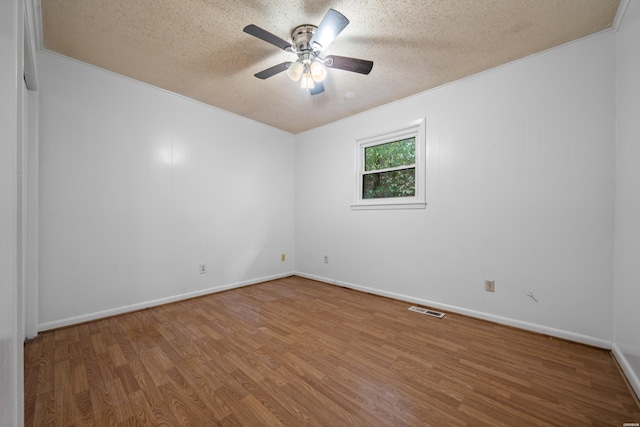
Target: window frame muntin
[
  {"x": 415, "y": 129},
  {"x": 397, "y": 168}
]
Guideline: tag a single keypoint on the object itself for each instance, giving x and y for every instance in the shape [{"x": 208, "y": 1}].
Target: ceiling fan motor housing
[{"x": 301, "y": 36}]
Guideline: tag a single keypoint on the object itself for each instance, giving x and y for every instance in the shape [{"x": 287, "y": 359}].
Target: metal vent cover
[{"x": 427, "y": 311}]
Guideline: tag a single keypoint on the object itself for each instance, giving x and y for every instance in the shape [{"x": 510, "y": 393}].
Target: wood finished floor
[{"x": 297, "y": 352}]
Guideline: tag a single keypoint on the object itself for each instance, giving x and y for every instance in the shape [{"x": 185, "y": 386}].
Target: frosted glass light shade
[
  {"x": 307, "y": 81},
  {"x": 318, "y": 72},
  {"x": 295, "y": 71}
]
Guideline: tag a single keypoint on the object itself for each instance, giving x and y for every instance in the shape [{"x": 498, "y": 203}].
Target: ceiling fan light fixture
[
  {"x": 310, "y": 69},
  {"x": 318, "y": 72},
  {"x": 295, "y": 71}
]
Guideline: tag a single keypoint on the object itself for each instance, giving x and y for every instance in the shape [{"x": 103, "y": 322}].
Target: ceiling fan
[{"x": 308, "y": 42}]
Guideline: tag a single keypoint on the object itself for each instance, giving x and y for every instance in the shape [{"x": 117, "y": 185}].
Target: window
[{"x": 390, "y": 169}]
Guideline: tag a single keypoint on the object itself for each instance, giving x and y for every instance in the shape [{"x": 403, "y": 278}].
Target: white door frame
[{"x": 30, "y": 181}]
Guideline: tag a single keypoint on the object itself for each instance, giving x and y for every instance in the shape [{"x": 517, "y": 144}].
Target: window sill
[{"x": 387, "y": 205}]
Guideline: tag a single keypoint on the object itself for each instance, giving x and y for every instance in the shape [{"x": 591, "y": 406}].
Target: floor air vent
[{"x": 427, "y": 312}]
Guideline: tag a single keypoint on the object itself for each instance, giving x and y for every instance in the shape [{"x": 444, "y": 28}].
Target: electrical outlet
[
  {"x": 203, "y": 268},
  {"x": 282, "y": 257},
  {"x": 326, "y": 259},
  {"x": 490, "y": 285}
]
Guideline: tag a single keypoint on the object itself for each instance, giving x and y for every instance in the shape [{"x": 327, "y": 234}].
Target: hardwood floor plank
[
  {"x": 64, "y": 402},
  {"x": 45, "y": 410},
  {"x": 302, "y": 415},
  {"x": 331, "y": 413},
  {"x": 179, "y": 407},
  {"x": 120, "y": 400},
  {"x": 102, "y": 406},
  {"x": 143, "y": 413},
  {"x": 83, "y": 409},
  {"x": 266, "y": 402},
  {"x": 298, "y": 352},
  {"x": 240, "y": 413},
  {"x": 127, "y": 379},
  {"x": 205, "y": 385},
  {"x": 364, "y": 402},
  {"x": 231, "y": 421}
]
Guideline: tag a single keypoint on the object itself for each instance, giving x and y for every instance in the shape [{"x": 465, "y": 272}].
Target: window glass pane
[
  {"x": 399, "y": 183},
  {"x": 390, "y": 155}
]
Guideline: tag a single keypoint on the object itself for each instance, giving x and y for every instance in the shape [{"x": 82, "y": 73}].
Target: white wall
[
  {"x": 627, "y": 271},
  {"x": 520, "y": 189},
  {"x": 139, "y": 186},
  {"x": 11, "y": 395}
]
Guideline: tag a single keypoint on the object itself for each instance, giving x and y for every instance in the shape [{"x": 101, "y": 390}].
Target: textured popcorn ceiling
[{"x": 197, "y": 47}]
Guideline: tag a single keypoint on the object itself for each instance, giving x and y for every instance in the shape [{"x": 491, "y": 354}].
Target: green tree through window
[{"x": 389, "y": 170}]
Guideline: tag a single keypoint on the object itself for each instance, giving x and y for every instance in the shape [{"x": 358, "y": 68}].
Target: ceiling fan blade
[
  {"x": 265, "y": 35},
  {"x": 355, "y": 65},
  {"x": 318, "y": 88},
  {"x": 332, "y": 24},
  {"x": 272, "y": 71}
]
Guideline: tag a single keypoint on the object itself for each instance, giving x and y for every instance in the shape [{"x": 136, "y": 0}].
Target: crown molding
[{"x": 622, "y": 9}]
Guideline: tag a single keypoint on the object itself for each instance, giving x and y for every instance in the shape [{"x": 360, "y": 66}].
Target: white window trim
[{"x": 414, "y": 129}]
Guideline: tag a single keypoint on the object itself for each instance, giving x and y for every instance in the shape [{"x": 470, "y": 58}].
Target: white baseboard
[
  {"x": 142, "y": 305},
  {"x": 632, "y": 376},
  {"x": 558, "y": 333}
]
